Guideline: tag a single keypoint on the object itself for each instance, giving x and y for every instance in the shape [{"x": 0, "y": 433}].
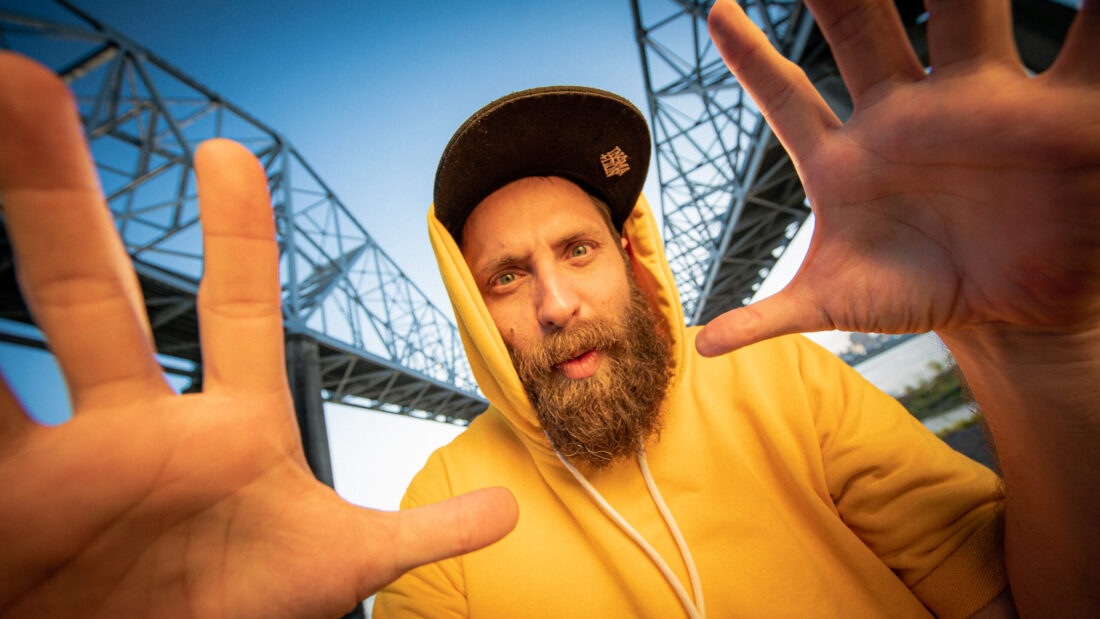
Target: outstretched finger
[
  {"x": 12, "y": 418},
  {"x": 970, "y": 32},
  {"x": 795, "y": 111},
  {"x": 453, "y": 527},
  {"x": 1079, "y": 59},
  {"x": 780, "y": 314},
  {"x": 73, "y": 271},
  {"x": 868, "y": 42},
  {"x": 240, "y": 313}
]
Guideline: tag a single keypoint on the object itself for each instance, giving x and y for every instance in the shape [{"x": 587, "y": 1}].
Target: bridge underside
[
  {"x": 371, "y": 336},
  {"x": 348, "y": 375}
]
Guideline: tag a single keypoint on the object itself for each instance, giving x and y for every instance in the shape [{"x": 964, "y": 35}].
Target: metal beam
[{"x": 143, "y": 118}]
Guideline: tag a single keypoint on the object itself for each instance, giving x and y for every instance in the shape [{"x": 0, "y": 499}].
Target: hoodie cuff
[{"x": 970, "y": 577}]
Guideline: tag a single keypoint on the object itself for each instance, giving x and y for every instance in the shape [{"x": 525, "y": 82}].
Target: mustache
[{"x": 594, "y": 334}]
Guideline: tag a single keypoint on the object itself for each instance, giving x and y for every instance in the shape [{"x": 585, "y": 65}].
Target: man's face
[
  {"x": 558, "y": 287},
  {"x": 543, "y": 259}
]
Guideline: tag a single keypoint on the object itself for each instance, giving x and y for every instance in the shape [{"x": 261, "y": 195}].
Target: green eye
[
  {"x": 579, "y": 250},
  {"x": 506, "y": 279}
]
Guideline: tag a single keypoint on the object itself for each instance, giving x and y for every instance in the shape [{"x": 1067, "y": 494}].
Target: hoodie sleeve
[
  {"x": 931, "y": 514},
  {"x": 436, "y": 589}
]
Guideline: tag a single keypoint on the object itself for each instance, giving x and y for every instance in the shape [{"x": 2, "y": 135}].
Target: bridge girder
[{"x": 143, "y": 119}]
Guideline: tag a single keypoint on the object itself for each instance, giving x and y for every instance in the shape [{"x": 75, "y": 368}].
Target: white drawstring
[
  {"x": 693, "y": 611},
  {"x": 693, "y": 574}
]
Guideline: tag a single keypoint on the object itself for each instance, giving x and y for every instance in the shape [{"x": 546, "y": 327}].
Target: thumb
[
  {"x": 780, "y": 314},
  {"x": 464, "y": 523}
]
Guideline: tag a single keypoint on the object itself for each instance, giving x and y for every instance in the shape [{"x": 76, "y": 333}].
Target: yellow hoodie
[{"x": 800, "y": 491}]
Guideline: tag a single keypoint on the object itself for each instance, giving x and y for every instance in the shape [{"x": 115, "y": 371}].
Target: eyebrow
[
  {"x": 508, "y": 260},
  {"x": 504, "y": 261}
]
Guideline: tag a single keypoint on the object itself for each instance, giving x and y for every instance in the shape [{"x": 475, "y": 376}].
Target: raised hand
[
  {"x": 965, "y": 201},
  {"x": 964, "y": 198},
  {"x": 151, "y": 504}
]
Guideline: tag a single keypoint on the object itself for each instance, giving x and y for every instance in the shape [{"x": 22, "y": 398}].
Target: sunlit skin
[
  {"x": 962, "y": 200},
  {"x": 543, "y": 257}
]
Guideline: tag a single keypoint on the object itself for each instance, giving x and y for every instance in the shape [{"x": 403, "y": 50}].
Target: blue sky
[{"x": 370, "y": 92}]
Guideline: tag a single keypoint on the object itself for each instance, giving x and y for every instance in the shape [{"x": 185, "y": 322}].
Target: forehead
[{"x": 528, "y": 208}]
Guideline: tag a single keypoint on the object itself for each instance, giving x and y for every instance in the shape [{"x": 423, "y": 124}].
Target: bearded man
[
  {"x": 715, "y": 470},
  {"x": 652, "y": 481},
  {"x": 770, "y": 481}
]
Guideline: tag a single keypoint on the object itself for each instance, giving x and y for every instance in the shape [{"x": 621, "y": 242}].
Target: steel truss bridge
[
  {"x": 730, "y": 196},
  {"x": 359, "y": 331}
]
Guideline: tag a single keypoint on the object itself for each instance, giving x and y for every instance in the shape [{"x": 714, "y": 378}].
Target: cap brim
[{"x": 592, "y": 137}]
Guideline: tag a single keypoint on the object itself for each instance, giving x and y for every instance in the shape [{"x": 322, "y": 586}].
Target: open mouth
[{"x": 580, "y": 366}]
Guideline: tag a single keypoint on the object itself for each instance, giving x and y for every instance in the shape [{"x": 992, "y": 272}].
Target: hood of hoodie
[{"x": 485, "y": 349}]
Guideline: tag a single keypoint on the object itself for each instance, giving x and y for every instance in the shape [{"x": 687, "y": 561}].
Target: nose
[{"x": 557, "y": 303}]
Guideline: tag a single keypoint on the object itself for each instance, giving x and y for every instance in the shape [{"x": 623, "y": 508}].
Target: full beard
[{"x": 605, "y": 417}]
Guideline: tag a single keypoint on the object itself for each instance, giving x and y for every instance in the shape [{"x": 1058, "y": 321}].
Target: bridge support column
[{"x": 303, "y": 370}]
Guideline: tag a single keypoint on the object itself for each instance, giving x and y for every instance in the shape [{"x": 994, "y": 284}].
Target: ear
[
  {"x": 636, "y": 269},
  {"x": 628, "y": 255}
]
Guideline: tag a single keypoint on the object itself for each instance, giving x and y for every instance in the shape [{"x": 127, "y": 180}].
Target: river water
[{"x": 907, "y": 364}]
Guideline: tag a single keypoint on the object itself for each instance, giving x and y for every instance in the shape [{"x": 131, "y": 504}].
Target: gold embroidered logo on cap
[{"x": 614, "y": 162}]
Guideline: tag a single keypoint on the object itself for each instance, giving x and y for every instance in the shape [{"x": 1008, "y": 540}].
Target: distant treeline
[{"x": 940, "y": 393}]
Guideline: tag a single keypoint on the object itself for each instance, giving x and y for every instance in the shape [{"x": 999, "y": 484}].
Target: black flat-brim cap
[{"x": 592, "y": 137}]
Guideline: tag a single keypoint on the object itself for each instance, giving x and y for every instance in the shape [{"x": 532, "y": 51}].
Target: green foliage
[
  {"x": 958, "y": 425},
  {"x": 934, "y": 395}
]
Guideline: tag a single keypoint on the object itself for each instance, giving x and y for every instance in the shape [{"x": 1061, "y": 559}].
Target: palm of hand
[
  {"x": 203, "y": 501},
  {"x": 957, "y": 200},
  {"x": 927, "y": 204}
]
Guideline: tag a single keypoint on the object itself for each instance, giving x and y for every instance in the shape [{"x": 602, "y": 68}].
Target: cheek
[
  {"x": 613, "y": 293},
  {"x": 511, "y": 323}
]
